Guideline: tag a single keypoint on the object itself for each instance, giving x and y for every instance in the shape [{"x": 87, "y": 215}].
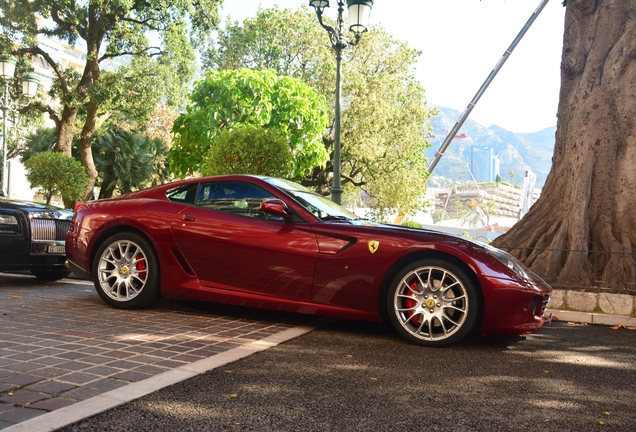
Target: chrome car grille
[
  {"x": 49, "y": 229},
  {"x": 546, "y": 301}
]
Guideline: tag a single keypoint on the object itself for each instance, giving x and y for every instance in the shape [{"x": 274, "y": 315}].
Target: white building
[{"x": 17, "y": 186}]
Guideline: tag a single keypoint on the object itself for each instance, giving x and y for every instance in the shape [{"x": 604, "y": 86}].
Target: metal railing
[{"x": 598, "y": 262}]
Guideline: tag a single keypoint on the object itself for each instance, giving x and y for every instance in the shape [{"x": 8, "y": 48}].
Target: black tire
[
  {"x": 126, "y": 271},
  {"x": 50, "y": 274},
  {"x": 432, "y": 302}
]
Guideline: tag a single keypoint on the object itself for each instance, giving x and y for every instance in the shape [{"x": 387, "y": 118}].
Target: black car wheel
[
  {"x": 432, "y": 303},
  {"x": 126, "y": 271},
  {"x": 50, "y": 274}
]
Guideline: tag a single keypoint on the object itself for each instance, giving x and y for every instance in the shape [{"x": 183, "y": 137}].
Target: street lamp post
[
  {"x": 30, "y": 83},
  {"x": 359, "y": 12}
]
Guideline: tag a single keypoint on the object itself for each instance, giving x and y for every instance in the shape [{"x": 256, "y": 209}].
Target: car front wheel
[
  {"x": 432, "y": 303},
  {"x": 126, "y": 271}
]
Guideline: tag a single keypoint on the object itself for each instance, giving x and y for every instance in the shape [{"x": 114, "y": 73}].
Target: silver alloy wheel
[
  {"x": 122, "y": 270},
  {"x": 431, "y": 303}
]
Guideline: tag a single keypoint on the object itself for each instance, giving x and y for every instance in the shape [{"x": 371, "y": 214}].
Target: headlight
[
  {"x": 51, "y": 214},
  {"x": 8, "y": 220},
  {"x": 509, "y": 261}
]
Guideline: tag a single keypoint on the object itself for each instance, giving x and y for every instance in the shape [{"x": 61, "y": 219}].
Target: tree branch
[
  {"x": 132, "y": 53},
  {"x": 62, "y": 25},
  {"x": 56, "y": 67},
  {"x": 352, "y": 180},
  {"x": 144, "y": 23},
  {"x": 42, "y": 107}
]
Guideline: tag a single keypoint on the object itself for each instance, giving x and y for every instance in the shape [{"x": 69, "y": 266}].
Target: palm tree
[
  {"x": 127, "y": 161},
  {"x": 489, "y": 208},
  {"x": 458, "y": 205}
]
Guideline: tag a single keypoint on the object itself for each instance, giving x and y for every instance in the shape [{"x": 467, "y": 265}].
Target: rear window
[{"x": 184, "y": 194}]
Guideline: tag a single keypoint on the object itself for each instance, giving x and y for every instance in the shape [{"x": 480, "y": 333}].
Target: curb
[{"x": 592, "y": 318}]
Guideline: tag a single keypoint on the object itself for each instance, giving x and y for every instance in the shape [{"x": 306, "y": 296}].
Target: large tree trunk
[
  {"x": 66, "y": 131},
  {"x": 582, "y": 230},
  {"x": 86, "y": 155}
]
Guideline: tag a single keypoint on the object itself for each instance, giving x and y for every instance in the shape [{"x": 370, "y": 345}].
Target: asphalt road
[{"x": 354, "y": 376}]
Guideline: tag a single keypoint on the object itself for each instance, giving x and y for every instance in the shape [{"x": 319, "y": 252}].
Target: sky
[{"x": 461, "y": 42}]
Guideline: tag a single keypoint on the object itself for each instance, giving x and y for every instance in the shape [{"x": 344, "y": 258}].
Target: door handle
[{"x": 187, "y": 218}]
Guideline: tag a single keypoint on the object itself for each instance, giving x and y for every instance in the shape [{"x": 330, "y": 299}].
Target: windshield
[{"x": 320, "y": 206}]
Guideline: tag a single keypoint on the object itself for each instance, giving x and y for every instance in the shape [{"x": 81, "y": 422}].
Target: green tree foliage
[
  {"x": 249, "y": 150},
  {"x": 384, "y": 111},
  {"x": 41, "y": 140},
  {"x": 116, "y": 33},
  {"x": 438, "y": 216},
  {"x": 412, "y": 224},
  {"x": 21, "y": 121},
  {"x": 234, "y": 98},
  {"x": 56, "y": 174},
  {"x": 127, "y": 161}
]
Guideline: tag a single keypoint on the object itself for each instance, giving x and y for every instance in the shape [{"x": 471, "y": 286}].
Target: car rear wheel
[
  {"x": 432, "y": 303},
  {"x": 126, "y": 271}
]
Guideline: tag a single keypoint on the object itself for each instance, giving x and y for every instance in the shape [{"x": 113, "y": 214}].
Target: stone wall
[{"x": 614, "y": 304}]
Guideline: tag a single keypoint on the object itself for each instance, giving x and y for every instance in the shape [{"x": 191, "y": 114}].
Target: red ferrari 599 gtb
[{"x": 271, "y": 243}]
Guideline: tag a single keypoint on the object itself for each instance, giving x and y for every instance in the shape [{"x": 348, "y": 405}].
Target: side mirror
[{"x": 276, "y": 207}]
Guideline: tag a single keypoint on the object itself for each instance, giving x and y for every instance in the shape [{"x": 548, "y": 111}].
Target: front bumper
[
  {"x": 79, "y": 271},
  {"x": 48, "y": 247},
  {"x": 514, "y": 308}
]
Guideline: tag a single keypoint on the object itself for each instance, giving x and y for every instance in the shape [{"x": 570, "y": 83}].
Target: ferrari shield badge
[{"x": 373, "y": 246}]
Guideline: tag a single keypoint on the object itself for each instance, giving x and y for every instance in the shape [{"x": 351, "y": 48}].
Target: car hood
[
  {"x": 404, "y": 230},
  {"x": 36, "y": 209}
]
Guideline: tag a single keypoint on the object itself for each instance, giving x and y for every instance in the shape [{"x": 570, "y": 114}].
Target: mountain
[{"x": 517, "y": 152}]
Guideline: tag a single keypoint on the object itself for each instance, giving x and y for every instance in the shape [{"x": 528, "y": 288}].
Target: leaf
[
  {"x": 374, "y": 379},
  {"x": 15, "y": 297},
  {"x": 233, "y": 395},
  {"x": 617, "y": 326}
]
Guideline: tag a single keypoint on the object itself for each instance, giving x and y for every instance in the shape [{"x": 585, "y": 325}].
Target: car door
[{"x": 230, "y": 244}]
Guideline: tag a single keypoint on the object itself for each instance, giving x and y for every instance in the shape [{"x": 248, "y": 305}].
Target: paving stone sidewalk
[{"x": 60, "y": 344}]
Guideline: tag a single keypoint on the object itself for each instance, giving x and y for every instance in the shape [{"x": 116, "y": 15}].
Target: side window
[
  {"x": 184, "y": 194},
  {"x": 237, "y": 198}
]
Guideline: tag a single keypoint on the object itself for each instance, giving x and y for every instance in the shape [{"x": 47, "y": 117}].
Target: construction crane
[{"x": 484, "y": 86}]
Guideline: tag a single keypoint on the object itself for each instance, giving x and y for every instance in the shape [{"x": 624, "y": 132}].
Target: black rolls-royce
[{"x": 32, "y": 237}]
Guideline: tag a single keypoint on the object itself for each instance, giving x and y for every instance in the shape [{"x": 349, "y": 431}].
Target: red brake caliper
[
  {"x": 410, "y": 303},
  {"x": 141, "y": 266}
]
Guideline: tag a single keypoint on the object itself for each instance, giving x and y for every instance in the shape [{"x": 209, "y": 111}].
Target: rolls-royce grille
[{"x": 49, "y": 229}]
